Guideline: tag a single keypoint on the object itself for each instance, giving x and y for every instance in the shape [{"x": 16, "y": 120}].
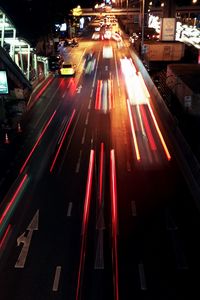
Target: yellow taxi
[{"x": 68, "y": 69}]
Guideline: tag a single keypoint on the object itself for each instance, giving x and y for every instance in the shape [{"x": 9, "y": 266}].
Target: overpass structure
[{"x": 187, "y": 10}]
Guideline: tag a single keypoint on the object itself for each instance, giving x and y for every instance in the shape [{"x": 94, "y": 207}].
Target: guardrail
[{"x": 186, "y": 159}]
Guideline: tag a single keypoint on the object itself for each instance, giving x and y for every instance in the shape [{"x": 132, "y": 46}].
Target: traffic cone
[
  {"x": 6, "y": 141},
  {"x": 19, "y": 128}
]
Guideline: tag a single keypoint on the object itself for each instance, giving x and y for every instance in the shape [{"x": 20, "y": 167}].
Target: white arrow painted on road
[
  {"x": 79, "y": 89},
  {"x": 26, "y": 240}
]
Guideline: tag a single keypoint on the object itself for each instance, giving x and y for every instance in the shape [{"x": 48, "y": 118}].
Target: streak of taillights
[
  {"x": 110, "y": 94},
  {"x": 98, "y": 96},
  {"x": 101, "y": 174},
  {"x": 5, "y": 236},
  {"x": 85, "y": 224},
  {"x": 62, "y": 141},
  {"x": 159, "y": 133},
  {"x": 12, "y": 203},
  {"x": 133, "y": 132},
  {"x": 113, "y": 189},
  {"x": 148, "y": 129},
  {"x": 73, "y": 86},
  {"x": 43, "y": 89},
  {"x": 37, "y": 142},
  {"x": 140, "y": 119},
  {"x": 105, "y": 96}
]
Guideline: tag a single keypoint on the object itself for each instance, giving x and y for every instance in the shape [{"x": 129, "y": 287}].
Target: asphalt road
[{"x": 99, "y": 209}]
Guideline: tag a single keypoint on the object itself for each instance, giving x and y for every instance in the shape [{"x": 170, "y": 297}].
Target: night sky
[{"x": 34, "y": 18}]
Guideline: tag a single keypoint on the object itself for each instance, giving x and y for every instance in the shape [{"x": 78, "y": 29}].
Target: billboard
[
  {"x": 168, "y": 29},
  {"x": 3, "y": 83}
]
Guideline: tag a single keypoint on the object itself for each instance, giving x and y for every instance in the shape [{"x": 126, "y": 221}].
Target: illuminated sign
[
  {"x": 63, "y": 27},
  {"x": 3, "y": 83},
  {"x": 168, "y": 29}
]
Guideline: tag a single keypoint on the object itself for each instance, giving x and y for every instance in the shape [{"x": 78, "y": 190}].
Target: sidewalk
[{"x": 8, "y": 133}]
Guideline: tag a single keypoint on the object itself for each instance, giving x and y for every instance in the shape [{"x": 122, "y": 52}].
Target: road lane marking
[
  {"x": 78, "y": 162},
  {"x": 90, "y": 102},
  {"x": 142, "y": 277},
  {"x": 69, "y": 211},
  {"x": 87, "y": 117},
  {"x": 133, "y": 209},
  {"x": 56, "y": 279},
  {"x": 92, "y": 91},
  {"x": 64, "y": 94},
  {"x": 26, "y": 240},
  {"x": 83, "y": 137}
]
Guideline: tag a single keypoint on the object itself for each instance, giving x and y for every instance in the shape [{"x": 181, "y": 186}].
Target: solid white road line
[
  {"x": 78, "y": 162},
  {"x": 92, "y": 91},
  {"x": 142, "y": 277},
  {"x": 83, "y": 137},
  {"x": 56, "y": 279},
  {"x": 87, "y": 117},
  {"x": 69, "y": 211}
]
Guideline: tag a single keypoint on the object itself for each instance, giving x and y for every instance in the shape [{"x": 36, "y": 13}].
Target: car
[
  {"x": 117, "y": 37},
  {"x": 54, "y": 62},
  {"x": 95, "y": 36},
  {"x": 133, "y": 37},
  {"x": 107, "y": 34},
  {"x": 67, "y": 69},
  {"x": 74, "y": 43}
]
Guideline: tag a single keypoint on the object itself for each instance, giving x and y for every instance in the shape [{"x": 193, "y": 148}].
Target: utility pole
[{"x": 142, "y": 24}]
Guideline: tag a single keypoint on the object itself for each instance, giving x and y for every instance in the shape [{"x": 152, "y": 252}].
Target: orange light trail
[
  {"x": 159, "y": 133},
  {"x": 62, "y": 141},
  {"x": 133, "y": 132},
  {"x": 85, "y": 223},
  {"x": 37, "y": 142},
  {"x": 114, "y": 222}
]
